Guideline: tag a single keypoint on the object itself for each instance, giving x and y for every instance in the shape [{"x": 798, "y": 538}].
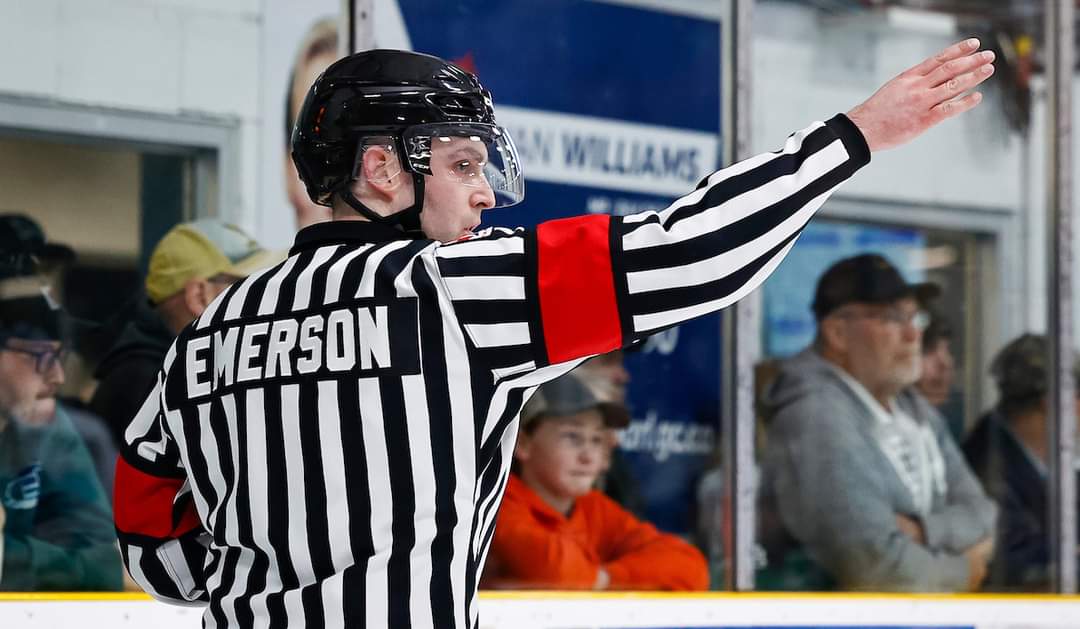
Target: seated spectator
[
  {"x": 57, "y": 527},
  {"x": 939, "y": 372},
  {"x": 23, "y": 239},
  {"x": 1008, "y": 450},
  {"x": 190, "y": 266},
  {"x": 607, "y": 377},
  {"x": 555, "y": 531},
  {"x": 861, "y": 470}
]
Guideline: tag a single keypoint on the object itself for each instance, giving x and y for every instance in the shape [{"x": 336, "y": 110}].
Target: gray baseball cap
[{"x": 569, "y": 395}]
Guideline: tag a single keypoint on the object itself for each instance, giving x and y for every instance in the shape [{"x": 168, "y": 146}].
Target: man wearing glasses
[
  {"x": 860, "y": 468},
  {"x": 57, "y": 528}
]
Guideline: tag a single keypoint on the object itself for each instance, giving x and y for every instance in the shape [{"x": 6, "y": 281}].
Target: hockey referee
[{"x": 327, "y": 445}]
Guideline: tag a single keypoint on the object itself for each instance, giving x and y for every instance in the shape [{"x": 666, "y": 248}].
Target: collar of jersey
[{"x": 346, "y": 232}]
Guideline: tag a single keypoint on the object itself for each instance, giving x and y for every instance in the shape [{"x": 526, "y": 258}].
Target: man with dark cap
[
  {"x": 1008, "y": 450},
  {"x": 862, "y": 470},
  {"x": 57, "y": 527}
]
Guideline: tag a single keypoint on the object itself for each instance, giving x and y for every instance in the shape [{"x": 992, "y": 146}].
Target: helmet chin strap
[{"x": 407, "y": 220}]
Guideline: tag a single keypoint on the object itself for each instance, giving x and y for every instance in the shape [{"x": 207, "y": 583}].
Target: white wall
[
  {"x": 160, "y": 56},
  {"x": 809, "y": 67}
]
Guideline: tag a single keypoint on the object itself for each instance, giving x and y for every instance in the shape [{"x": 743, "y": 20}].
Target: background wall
[
  {"x": 160, "y": 56},
  {"x": 106, "y": 180}
]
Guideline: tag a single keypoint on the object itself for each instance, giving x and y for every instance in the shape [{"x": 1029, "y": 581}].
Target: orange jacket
[{"x": 538, "y": 547}]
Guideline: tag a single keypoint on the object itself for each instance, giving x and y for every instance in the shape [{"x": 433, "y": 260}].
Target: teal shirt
[{"x": 58, "y": 533}]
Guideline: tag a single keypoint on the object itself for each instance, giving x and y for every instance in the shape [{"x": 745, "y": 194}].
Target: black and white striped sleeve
[
  {"x": 162, "y": 539},
  {"x": 582, "y": 286}
]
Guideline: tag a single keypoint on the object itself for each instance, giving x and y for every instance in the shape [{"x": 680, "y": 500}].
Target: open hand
[{"x": 922, "y": 96}]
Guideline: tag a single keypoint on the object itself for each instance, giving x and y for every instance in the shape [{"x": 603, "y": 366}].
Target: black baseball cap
[
  {"x": 866, "y": 278},
  {"x": 23, "y": 245},
  {"x": 569, "y": 395},
  {"x": 28, "y": 311}
]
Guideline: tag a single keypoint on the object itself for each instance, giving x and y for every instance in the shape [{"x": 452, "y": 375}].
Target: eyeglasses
[
  {"x": 918, "y": 319},
  {"x": 44, "y": 360}
]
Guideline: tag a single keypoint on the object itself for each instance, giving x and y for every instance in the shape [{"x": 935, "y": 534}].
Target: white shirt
[{"x": 911, "y": 446}]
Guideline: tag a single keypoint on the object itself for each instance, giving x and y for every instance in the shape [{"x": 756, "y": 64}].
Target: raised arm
[{"x": 582, "y": 286}]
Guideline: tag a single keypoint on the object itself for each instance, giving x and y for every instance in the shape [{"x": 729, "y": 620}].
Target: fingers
[
  {"x": 955, "y": 107},
  {"x": 954, "y": 68},
  {"x": 955, "y": 51},
  {"x": 962, "y": 83}
]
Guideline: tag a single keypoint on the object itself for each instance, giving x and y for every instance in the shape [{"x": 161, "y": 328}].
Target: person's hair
[
  {"x": 321, "y": 39},
  {"x": 937, "y": 330}
]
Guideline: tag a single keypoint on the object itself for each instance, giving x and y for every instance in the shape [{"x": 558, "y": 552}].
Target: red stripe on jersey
[
  {"x": 577, "y": 289},
  {"x": 144, "y": 504}
]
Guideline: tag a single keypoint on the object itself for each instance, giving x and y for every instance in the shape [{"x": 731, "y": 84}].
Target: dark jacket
[
  {"x": 128, "y": 372},
  {"x": 58, "y": 533},
  {"x": 1012, "y": 478}
]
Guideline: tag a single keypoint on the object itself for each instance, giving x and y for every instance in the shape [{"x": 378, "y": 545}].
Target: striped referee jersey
[{"x": 328, "y": 444}]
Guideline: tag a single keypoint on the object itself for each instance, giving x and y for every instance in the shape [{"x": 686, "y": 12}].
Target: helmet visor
[{"x": 472, "y": 154}]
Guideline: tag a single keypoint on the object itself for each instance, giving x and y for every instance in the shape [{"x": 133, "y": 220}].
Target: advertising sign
[{"x": 615, "y": 109}]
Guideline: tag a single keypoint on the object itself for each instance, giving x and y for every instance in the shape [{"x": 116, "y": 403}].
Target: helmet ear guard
[
  {"x": 420, "y": 101},
  {"x": 409, "y": 218}
]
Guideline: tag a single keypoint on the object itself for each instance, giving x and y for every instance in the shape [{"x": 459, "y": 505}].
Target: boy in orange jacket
[{"x": 555, "y": 531}]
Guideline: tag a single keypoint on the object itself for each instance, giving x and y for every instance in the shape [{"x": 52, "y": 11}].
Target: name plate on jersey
[{"x": 364, "y": 337}]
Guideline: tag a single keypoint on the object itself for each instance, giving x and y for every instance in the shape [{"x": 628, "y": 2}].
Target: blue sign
[{"x": 615, "y": 110}]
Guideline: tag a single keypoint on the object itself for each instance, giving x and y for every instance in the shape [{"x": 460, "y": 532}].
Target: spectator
[
  {"x": 1008, "y": 450},
  {"x": 191, "y": 265},
  {"x": 57, "y": 528},
  {"x": 607, "y": 377},
  {"x": 24, "y": 241},
  {"x": 939, "y": 373},
  {"x": 863, "y": 473},
  {"x": 555, "y": 531}
]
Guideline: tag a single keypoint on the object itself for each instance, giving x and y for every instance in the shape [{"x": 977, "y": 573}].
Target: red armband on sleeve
[
  {"x": 144, "y": 504},
  {"x": 578, "y": 309}
]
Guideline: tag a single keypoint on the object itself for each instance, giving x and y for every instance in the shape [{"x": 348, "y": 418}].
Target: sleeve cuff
[{"x": 857, "y": 148}]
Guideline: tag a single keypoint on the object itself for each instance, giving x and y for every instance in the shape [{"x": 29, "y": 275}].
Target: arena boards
[{"x": 616, "y": 611}]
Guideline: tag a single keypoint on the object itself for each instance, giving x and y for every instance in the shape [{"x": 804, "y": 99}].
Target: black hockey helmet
[{"x": 418, "y": 100}]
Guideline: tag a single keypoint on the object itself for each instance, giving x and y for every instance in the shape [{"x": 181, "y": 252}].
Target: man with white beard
[{"x": 861, "y": 469}]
